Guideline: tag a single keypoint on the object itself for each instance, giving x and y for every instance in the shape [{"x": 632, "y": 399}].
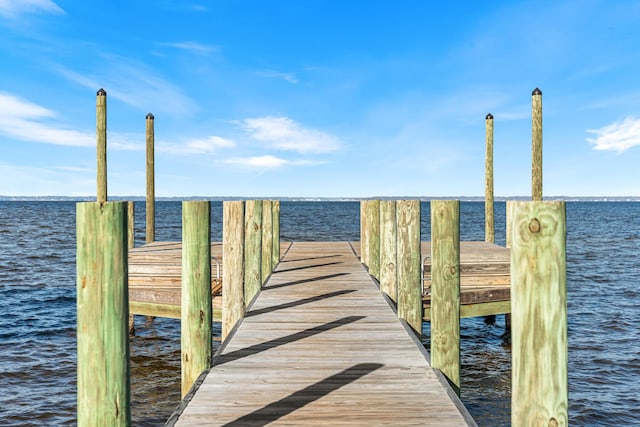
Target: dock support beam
[
  {"x": 196, "y": 310},
  {"x": 233, "y": 303},
  {"x": 489, "y": 224},
  {"x": 539, "y": 314},
  {"x": 131, "y": 240},
  {"x": 388, "y": 249},
  {"x": 275, "y": 207},
  {"x": 252, "y": 249},
  {"x": 408, "y": 255},
  {"x": 445, "y": 289},
  {"x": 373, "y": 221},
  {"x": 103, "y": 312},
  {"x": 536, "y": 145},
  {"x": 364, "y": 236},
  {"x": 267, "y": 240},
  {"x": 101, "y": 141},
  {"x": 151, "y": 186}
]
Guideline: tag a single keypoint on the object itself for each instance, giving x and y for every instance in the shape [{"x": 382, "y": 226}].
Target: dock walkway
[{"x": 321, "y": 346}]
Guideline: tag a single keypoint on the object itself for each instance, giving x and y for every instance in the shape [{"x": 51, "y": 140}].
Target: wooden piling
[
  {"x": 539, "y": 314},
  {"x": 373, "y": 222},
  {"x": 233, "y": 303},
  {"x": 489, "y": 225},
  {"x": 267, "y": 240},
  {"x": 131, "y": 225},
  {"x": 388, "y": 249},
  {"x": 445, "y": 289},
  {"x": 408, "y": 261},
  {"x": 151, "y": 186},
  {"x": 101, "y": 152},
  {"x": 131, "y": 213},
  {"x": 536, "y": 145},
  {"x": 252, "y": 249},
  {"x": 364, "y": 233},
  {"x": 102, "y": 315},
  {"x": 196, "y": 310},
  {"x": 275, "y": 219}
]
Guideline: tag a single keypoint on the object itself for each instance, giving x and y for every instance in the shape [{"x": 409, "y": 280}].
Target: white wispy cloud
[
  {"x": 618, "y": 136},
  {"x": 13, "y": 8},
  {"x": 193, "y": 47},
  {"x": 206, "y": 145},
  {"x": 282, "y": 133},
  {"x": 289, "y": 77},
  {"x": 24, "y": 120},
  {"x": 269, "y": 162},
  {"x": 266, "y": 162},
  {"x": 133, "y": 83}
]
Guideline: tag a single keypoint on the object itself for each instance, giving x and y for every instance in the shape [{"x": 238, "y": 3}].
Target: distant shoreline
[{"x": 314, "y": 199}]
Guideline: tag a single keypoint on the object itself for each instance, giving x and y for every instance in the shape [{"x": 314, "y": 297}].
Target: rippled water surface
[{"x": 37, "y": 313}]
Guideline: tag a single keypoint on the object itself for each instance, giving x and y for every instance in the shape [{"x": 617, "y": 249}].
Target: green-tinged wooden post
[
  {"x": 151, "y": 186},
  {"x": 536, "y": 145},
  {"x": 539, "y": 314},
  {"x": 131, "y": 227},
  {"x": 408, "y": 261},
  {"x": 489, "y": 225},
  {"x": 267, "y": 240},
  {"x": 388, "y": 249},
  {"x": 445, "y": 289},
  {"x": 275, "y": 218},
  {"x": 101, "y": 137},
  {"x": 102, "y": 314},
  {"x": 196, "y": 310},
  {"x": 252, "y": 249},
  {"x": 509, "y": 215},
  {"x": 364, "y": 233},
  {"x": 131, "y": 214},
  {"x": 373, "y": 221},
  {"x": 233, "y": 302}
]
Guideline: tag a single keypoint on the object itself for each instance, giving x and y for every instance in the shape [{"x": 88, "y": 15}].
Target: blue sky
[{"x": 319, "y": 98}]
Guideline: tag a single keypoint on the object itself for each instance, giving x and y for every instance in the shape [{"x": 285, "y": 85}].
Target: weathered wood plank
[{"x": 320, "y": 346}]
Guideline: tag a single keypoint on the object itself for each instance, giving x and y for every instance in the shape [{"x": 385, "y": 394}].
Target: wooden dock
[
  {"x": 321, "y": 346},
  {"x": 155, "y": 276}
]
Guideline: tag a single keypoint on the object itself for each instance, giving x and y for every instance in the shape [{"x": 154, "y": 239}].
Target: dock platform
[{"x": 320, "y": 345}]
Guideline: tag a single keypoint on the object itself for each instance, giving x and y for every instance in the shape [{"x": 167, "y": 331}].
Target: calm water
[{"x": 37, "y": 313}]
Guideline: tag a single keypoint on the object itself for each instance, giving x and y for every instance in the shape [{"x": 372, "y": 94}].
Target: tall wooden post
[
  {"x": 267, "y": 240},
  {"x": 539, "y": 314},
  {"x": 101, "y": 137},
  {"x": 275, "y": 218},
  {"x": 131, "y": 225},
  {"x": 196, "y": 310},
  {"x": 489, "y": 225},
  {"x": 364, "y": 233},
  {"x": 151, "y": 186},
  {"x": 252, "y": 249},
  {"x": 373, "y": 222},
  {"x": 233, "y": 272},
  {"x": 102, "y": 315},
  {"x": 408, "y": 255},
  {"x": 131, "y": 215},
  {"x": 536, "y": 145},
  {"x": 445, "y": 289},
  {"x": 388, "y": 249}
]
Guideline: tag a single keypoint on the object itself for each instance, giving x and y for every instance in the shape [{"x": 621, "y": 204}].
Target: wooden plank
[{"x": 320, "y": 346}]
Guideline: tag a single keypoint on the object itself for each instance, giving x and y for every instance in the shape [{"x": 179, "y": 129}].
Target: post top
[
  {"x": 536, "y": 91},
  {"x": 489, "y": 116},
  {"x": 102, "y": 92},
  {"x": 150, "y": 116}
]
